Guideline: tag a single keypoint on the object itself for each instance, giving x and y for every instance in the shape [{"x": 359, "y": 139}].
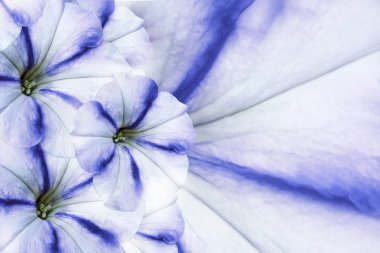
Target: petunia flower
[
  {"x": 58, "y": 63},
  {"x": 48, "y": 204},
  {"x": 134, "y": 137},
  {"x": 284, "y": 98}
]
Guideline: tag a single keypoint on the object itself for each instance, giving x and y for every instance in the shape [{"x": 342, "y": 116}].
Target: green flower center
[
  {"x": 43, "y": 210},
  {"x": 123, "y": 135},
  {"x": 27, "y": 87}
]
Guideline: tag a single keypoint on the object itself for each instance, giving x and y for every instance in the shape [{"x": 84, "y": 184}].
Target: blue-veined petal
[
  {"x": 24, "y": 12},
  {"x": 17, "y": 208},
  {"x": 159, "y": 232},
  {"x": 139, "y": 93},
  {"x": 38, "y": 236},
  {"x": 9, "y": 30},
  {"x": 256, "y": 218},
  {"x": 120, "y": 183},
  {"x": 21, "y": 122},
  {"x": 102, "y": 8},
  {"x": 268, "y": 47},
  {"x": 310, "y": 152},
  {"x": 84, "y": 216},
  {"x": 72, "y": 32},
  {"x": 319, "y": 136}
]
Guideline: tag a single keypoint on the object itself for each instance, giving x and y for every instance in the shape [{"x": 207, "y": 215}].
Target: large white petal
[
  {"x": 298, "y": 169},
  {"x": 221, "y": 57}
]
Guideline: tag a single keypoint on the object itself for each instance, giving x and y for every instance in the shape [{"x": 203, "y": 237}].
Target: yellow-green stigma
[
  {"x": 43, "y": 211},
  {"x": 27, "y": 87},
  {"x": 123, "y": 135}
]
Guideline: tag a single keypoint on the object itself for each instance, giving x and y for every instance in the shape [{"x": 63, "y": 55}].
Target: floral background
[{"x": 189, "y": 126}]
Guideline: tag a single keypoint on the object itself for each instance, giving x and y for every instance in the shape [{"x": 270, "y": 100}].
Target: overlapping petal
[{"x": 159, "y": 231}]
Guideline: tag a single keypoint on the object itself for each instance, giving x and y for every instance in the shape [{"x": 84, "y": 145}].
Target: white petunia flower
[
  {"x": 48, "y": 204},
  {"x": 133, "y": 136}
]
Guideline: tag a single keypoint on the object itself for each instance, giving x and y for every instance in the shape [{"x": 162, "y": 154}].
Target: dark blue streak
[
  {"x": 68, "y": 193},
  {"x": 28, "y": 47},
  {"x": 241, "y": 173},
  {"x": 9, "y": 79},
  {"x": 105, "y": 235},
  {"x": 39, "y": 155},
  {"x": 54, "y": 245},
  {"x": 150, "y": 96},
  {"x": 73, "y": 101},
  {"x": 222, "y": 24},
  {"x": 165, "y": 238},
  {"x": 15, "y": 202}
]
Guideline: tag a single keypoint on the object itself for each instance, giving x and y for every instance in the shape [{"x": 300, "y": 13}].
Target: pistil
[
  {"x": 43, "y": 211},
  {"x": 27, "y": 87}
]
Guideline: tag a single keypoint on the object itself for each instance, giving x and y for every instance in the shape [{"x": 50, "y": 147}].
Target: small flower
[
  {"x": 48, "y": 204},
  {"x": 130, "y": 135}
]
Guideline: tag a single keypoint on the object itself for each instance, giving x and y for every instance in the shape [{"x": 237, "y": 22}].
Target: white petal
[
  {"x": 125, "y": 30},
  {"x": 158, "y": 232},
  {"x": 21, "y": 122},
  {"x": 9, "y": 30},
  {"x": 120, "y": 183},
  {"x": 24, "y": 12},
  {"x": 271, "y": 47}
]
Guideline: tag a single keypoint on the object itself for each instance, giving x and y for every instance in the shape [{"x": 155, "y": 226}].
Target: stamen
[
  {"x": 27, "y": 87},
  {"x": 43, "y": 211},
  {"x": 122, "y": 136}
]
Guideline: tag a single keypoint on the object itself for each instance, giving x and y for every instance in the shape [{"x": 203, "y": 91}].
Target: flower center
[
  {"x": 27, "y": 87},
  {"x": 43, "y": 210},
  {"x": 123, "y": 135}
]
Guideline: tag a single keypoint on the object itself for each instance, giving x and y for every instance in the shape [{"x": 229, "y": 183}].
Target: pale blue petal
[
  {"x": 138, "y": 96},
  {"x": 297, "y": 169},
  {"x": 83, "y": 215},
  {"x": 9, "y": 92},
  {"x": 88, "y": 73},
  {"x": 95, "y": 154},
  {"x": 64, "y": 33},
  {"x": 58, "y": 109},
  {"x": 159, "y": 232},
  {"x": 9, "y": 30},
  {"x": 24, "y": 12},
  {"x": 210, "y": 64},
  {"x": 102, "y": 8},
  {"x": 318, "y": 137},
  {"x": 259, "y": 218},
  {"x": 93, "y": 120},
  {"x": 120, "y": 184},
  {"x": 111, "y": 98},
  {"x": 77, "y": 32},
  {"x": 94, "y": 146},
  {"x": 21, "y": 122},
  {"x": 39, "y": 236}
]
